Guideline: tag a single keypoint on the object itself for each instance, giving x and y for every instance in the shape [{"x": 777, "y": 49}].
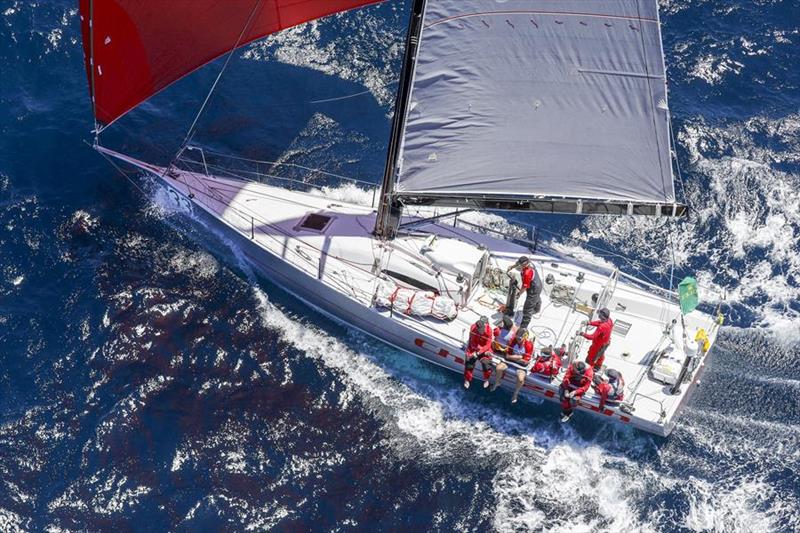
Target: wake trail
[{"x": 428, "y": 419}]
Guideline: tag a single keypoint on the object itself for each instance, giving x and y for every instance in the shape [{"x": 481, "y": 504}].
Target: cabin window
[
  {"x": 408, "y": 280},
  {"x": 314, "y": 222}
]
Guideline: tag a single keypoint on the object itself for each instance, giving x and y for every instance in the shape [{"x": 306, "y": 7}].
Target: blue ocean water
[{"x": 151, "y": 381}]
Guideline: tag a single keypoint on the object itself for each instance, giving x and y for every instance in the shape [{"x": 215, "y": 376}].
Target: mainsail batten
[
  {"x": 539, "y": 99},
  {"x": 135, "y": 49}
]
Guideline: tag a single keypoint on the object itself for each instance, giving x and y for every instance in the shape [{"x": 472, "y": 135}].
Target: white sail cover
[{"x": 550, "y": 98}]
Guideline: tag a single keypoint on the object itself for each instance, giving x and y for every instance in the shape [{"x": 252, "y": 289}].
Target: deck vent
[
  {"x": 621, "y": 327},
  {"x": 314, "y": 222}
]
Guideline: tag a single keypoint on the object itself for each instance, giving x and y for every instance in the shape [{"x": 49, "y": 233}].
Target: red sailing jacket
[
  {"x": 548, "y": 365},
  {"x": 602, "y": 333},
  {"x": 527, "y": 277},
  {"x": 479, "y": 341},
  {"x": 579, "y": 383},
  {"x": 526, "y": 350},
  {"x": 613, "y": 391}
]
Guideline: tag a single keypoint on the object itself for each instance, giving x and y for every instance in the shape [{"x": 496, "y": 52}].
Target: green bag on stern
[{"x": 687, "y": 292}]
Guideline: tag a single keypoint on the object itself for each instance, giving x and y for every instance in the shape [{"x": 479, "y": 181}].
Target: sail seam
[
  {"x": 619, "y": 73},
  {"x": 546, "y": 13}
]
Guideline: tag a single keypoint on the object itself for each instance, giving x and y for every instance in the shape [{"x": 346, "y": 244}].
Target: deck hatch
[
  {"x": 314, "y": 222},
  {"x": 621, "y": 327}
]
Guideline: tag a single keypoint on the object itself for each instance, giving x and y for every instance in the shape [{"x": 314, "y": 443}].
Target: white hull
[{"x": 332, "y": 272}]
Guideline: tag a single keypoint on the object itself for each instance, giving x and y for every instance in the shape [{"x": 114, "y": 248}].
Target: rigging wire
[
  {"x": 278, "y": 163},
  {"x": 670, "y": 235},
  {"x": 191, "y": 131},
  {"x": 121, "y": 171},
  {"x": 339, "y": 98},
  {"x": 678, "y": 169}
]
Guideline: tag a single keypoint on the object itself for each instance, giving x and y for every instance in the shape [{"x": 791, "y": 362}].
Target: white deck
[{"x": 343, "y": 258}]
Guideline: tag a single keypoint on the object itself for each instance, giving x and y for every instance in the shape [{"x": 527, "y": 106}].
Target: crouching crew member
[
  {"x": 576, "y": 382},
  {"x": 479, "y": 348},
  {"x": 519, "y": 353},
  {"x": 610, "y": 387},
  {"x": 600, "y": 337},
  {"x": 549, "y": 362}
]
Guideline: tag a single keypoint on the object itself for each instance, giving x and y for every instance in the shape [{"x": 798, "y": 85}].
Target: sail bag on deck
[{"x": 414, "y": 302}]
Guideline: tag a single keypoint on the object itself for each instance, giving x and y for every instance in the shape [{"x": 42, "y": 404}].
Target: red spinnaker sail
[{"x": 139, "y": 47}]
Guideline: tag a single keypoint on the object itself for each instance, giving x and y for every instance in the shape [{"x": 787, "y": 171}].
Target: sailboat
[{"x": 555, "y": 106}]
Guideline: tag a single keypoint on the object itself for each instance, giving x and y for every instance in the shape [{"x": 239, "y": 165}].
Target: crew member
[
  {"x": 532, "y": 287},
  {"x": 518, "y": 284},
  {"x": 610, "y": 387},
  {"x": 576, "y": 382},
  {"x": 549, "y": 361},
  {"x": 600, "y": 337},
  {"x": 503, "y": 336},
  {"x": 479, "y": 348},
  {"x": 519, "y": 353}
]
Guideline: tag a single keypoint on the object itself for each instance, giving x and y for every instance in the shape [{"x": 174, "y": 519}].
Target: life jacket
[{"x": 531, "y": 281}]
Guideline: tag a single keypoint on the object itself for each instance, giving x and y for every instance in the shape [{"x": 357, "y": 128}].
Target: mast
[{"x": 389, "y": 211}]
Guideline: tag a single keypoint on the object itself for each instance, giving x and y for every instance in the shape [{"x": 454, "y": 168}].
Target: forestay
[{"x": 539, "y": 98}]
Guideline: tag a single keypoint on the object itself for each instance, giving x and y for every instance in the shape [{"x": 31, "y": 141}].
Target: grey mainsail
[{"x": 540, "y": 99}]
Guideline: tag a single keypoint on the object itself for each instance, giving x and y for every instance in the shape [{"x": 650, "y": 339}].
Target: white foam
[
  {"x": 713, "y": 69},
  {"x": 112, "y": 493},
  {"x": 12, "y": 522},
  {"x": 717, "y": 508},
  {"x": 349, "y": 193},
  {"x": 742, "y": 237},
  {"x": 200, "y": 264}
]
